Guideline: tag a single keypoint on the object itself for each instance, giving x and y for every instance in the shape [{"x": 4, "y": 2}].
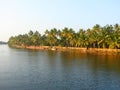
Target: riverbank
[{"x": 99, "y": 51}]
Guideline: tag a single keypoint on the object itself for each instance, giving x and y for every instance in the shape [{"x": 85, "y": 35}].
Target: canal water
[{"x": 57, "y": 70}]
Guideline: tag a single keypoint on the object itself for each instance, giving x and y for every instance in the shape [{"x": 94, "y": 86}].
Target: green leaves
[{"x": 97, "y": 37}]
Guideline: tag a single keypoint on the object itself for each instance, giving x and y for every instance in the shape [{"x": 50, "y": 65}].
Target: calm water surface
[{"x": 51, "y": 70}]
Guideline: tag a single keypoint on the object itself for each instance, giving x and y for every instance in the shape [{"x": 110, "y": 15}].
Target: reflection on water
[{"x": 51, "y": 70}]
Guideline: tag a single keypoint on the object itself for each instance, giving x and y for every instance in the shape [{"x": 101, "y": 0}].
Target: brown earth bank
[{"x": 99, "y": 51}]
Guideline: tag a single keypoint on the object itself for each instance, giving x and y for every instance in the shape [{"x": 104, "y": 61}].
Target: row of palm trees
[{"x": 98, "y": 37}]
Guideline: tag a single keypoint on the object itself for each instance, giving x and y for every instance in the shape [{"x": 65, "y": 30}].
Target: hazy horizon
[{"x": 21, "y": 16}]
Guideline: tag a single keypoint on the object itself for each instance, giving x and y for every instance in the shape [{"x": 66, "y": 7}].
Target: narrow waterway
[{"x": 54, "y": 70}]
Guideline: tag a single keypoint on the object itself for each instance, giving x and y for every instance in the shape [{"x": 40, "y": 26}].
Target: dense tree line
[
  {"x": 98, "y": 37},
  {"x": 1, "y": 42}
]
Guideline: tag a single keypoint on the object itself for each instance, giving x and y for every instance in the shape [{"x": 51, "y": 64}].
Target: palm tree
[
  {"x": 115, "y": 37},
  {"x": 63, "y": 37},
  {"x": 106, "y": 33},
  {"x": 67, "y": 37},
  {"x": 97, "y": 37},
  {"x": 51, "y": 37},
  {"x": 36, "y": 38},
  {"x": 82, "y": 38},
  {"x": 30, "y": 33}
]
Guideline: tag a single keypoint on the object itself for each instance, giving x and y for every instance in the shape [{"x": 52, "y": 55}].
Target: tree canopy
[{"x": 98, "y": 37}]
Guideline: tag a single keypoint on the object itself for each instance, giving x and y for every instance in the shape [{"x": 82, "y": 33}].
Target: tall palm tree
[
  {"x": 36, "y": 38},
  {"x": 82, "y": 38},
  {"x": 51, "y": 37},
  {"x": 67, "y": 36}
]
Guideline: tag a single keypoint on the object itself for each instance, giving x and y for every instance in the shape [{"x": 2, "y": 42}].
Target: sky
[{"x": 21, "y": 16}]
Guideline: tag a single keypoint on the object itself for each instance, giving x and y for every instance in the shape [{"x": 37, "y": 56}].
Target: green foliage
[{"x": 97, "y": 37}]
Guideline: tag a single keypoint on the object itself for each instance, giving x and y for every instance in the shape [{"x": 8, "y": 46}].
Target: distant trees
[
  {"x": 51, "y": 37},
  {"x": 97, "y": 37},
  {"x": 1, "y": 42}
]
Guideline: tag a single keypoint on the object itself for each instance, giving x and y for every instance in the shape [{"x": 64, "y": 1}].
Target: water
[{"x": 51, "y": 70}]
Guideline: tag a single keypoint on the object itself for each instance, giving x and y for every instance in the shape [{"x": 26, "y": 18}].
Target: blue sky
[{"x": 20, "y": 16}]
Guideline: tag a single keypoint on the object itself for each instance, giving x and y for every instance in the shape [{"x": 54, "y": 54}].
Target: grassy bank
[{"x": 81, "y": 50}]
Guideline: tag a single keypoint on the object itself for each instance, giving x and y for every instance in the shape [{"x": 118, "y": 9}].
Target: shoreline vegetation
[
  {"x": 99, "y": 40},
  {"x": 96, "y": 51},
  {"x": 2, "y": 42}
]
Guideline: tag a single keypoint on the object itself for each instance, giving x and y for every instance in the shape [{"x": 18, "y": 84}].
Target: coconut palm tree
[{"x": 51, "y": 37}]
